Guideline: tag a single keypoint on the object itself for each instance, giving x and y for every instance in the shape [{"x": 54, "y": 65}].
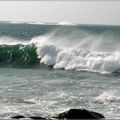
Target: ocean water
[{"x": 46, "y": 69}]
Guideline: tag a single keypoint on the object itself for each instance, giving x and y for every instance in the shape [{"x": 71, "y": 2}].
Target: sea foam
[
  {"x": 108, "y": 96},
  {"x": 74, "y": 57}
]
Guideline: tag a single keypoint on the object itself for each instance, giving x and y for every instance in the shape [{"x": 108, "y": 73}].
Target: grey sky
[{"x": 89, "y": 12}]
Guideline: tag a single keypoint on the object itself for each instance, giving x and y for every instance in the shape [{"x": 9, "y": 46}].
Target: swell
[{"x": 18, "y": 55}]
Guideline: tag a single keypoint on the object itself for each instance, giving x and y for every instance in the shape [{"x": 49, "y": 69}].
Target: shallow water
[{"x": 47, "y": 92}]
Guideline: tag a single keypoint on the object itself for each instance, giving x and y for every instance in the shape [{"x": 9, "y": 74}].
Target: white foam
[
  {"x": 108, "y": 96},
  {"x": 11, "y": 41},
  {"x": 16, "y": 22},
  {"x": 69, "y": 58},
  {"x": 31, "y": 22},
  {"x": 69, "y": 53},
  {"x": 66, "y": 23}
]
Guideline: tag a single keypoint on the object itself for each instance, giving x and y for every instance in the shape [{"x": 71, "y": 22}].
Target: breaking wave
[
  {"x": 18, "y": 55},
  {"x": 65, "y": 23},
  {"x": 78, "y": 50},
  {"x": 64, "y": 53}
]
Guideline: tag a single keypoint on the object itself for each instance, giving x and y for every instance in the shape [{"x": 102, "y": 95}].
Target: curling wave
[
  {"x": 42, "y": 50},
  {"x": 18, "y": 55}
]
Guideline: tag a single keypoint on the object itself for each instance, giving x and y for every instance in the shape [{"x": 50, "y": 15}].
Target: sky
[{"x": 82, "y": 12}]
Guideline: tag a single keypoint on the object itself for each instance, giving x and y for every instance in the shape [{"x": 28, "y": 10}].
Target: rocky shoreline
[{"x": 70, "y": 114}]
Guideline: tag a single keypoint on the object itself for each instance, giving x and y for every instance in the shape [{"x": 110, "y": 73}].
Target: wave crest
[
  {"x": 65, "y": 23},
  {"x": 60, "y": 52},
  {"x": 78, "y": 59}
]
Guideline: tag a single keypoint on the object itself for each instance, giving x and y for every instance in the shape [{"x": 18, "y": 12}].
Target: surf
[
  {"x": 79, "y": 51},
  {"x": 80, "y": 48}
]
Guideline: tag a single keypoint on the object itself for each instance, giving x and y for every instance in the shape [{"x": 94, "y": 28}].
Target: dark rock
[
  {"x": 79, "y": 114},
  {"x": 38, "y": 118},
  {"x": 17, "y": 117}
]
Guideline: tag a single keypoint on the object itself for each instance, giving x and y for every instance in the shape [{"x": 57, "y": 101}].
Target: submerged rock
[
  {"x": 17, "y": 117},
  {"x": 79, "y": 114},
  {"x": 38, "y": 118},
  {"x": 31, "y": 117}
]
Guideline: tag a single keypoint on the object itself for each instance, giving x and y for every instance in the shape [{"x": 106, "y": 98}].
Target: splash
[
  {"x": 6, "y": 40},
  {"x": 108, "y": 96},
  {"x": 84, "y": 53}
]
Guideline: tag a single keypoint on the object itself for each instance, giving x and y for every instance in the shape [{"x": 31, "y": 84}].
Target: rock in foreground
[
  {"x": 38, "y": 118},
  {"x": 79, "y": 114},
  {"x": 31, "y": 117},
  {"x": 17, "y": 117}
]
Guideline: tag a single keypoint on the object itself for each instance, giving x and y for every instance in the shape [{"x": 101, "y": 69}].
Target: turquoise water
[{"x": 47, "y": 69}]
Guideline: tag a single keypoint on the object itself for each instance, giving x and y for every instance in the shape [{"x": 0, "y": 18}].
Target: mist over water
[{"x": 79, "y": 50}]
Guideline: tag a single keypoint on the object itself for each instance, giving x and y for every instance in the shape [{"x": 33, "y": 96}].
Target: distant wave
[
  {"x": 41, "y": 23},
  {"x": 5, "y": 40},
  {"x": 30, "y": 22},
  {"x": 18, "y": 22},
  {"x": 66, "y": 23}
]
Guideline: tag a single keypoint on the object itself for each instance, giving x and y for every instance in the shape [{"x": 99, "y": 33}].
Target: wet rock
[
  {"x": 38, "y": 118},
  {"x": 17, "y": 117},
  {"x": 79, "y": 114}
]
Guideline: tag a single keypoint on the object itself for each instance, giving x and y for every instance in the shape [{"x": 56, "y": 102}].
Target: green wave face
[{"x": 18, "y": 55}]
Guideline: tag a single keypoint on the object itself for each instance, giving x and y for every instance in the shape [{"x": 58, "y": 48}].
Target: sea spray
[
  {"x": 66, "y": 47},
  {"x": 75, "y": 57},
  {"x": 108, "y": 96},
  {"x": 7, "y": 40},
  {"x": 74, "y": 49}
]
